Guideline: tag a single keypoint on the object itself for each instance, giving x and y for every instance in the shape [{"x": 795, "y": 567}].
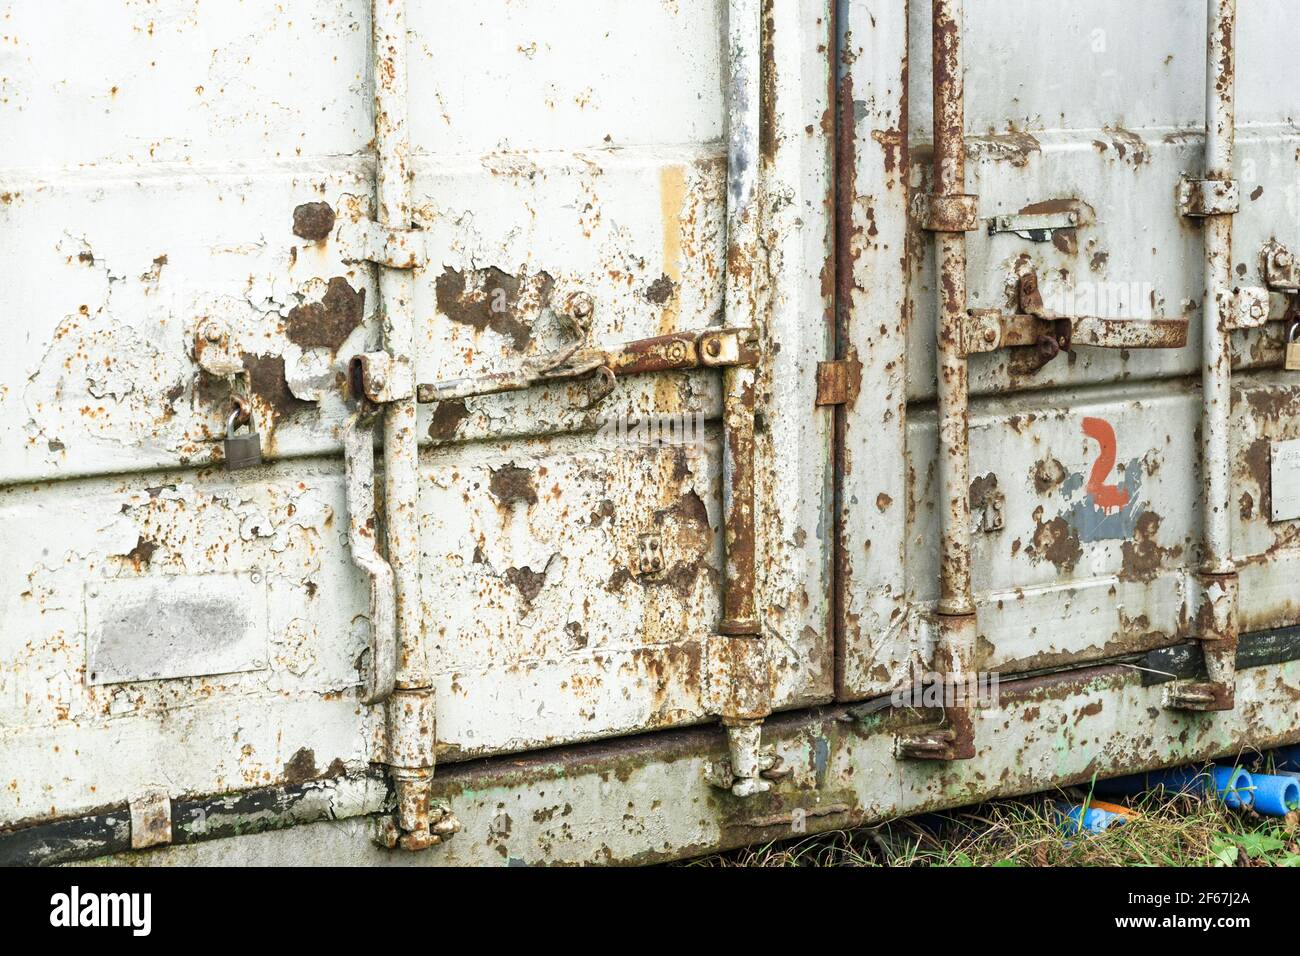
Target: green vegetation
[{"x": 1180, "y": 830}]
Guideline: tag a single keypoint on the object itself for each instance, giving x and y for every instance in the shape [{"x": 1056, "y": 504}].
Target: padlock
[
  {"x": 242, "y": 451},
  {"x": 1292, "y": 363}
]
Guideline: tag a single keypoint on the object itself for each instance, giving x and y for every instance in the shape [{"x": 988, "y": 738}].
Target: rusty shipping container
[{"x": 515, "y": 431}]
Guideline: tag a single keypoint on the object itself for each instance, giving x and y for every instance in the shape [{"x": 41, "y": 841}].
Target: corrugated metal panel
[{"x": 197, "y": 206}]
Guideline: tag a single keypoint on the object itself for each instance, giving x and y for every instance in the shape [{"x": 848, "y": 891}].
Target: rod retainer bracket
[
  {"x": 954, "y": 662},
  {"x": 364, "y": 240},
  {"x": 380, "y": 378},
  {"x": 1201, "y": 198},
  {"x": 948, "y": 213},
  {"x": 1245, "y": 307}
]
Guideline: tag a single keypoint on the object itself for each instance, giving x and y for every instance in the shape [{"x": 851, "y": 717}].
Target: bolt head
[
  {"x": 212, "y": 332},
  {"x": 714, "y": 347},
  {"x": 581, "y": 305},
  {"x": 1283, "y": 259}
]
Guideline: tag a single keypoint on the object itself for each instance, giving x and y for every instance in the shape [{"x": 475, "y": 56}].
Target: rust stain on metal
[
  {"x": 329, "y": 322},
  {"x": 446, "y": 419},
  {"x": 661, "y": 290},
  {"x": 1129, "y": 146},
  {"x": 313, "y": 221},
  {"x": 1143, "y": 557},
  {"x": 767, "y": 86},
  {"x": 672, "y": 197},
  {"x": 1259, "y": 464},
  {"x": 301, "y": 766},
  {"x": 528, "y": 581},
  {"x": 1066, "y": 240},
  {"x": 142, "y": 553},
  {"x": 1047, "y": 474},
  {"x": 266, "y": 378},
  {"x": 494, "y": 299},
  {"x": 1055, "y": 541},
  {"x": 510, "y": 484},
  {"x": 739, "y": 597},
  {"x": 1013, "y": 146}
]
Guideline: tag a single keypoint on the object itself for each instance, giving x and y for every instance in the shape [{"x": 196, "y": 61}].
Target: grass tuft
[{"x": 1169, "y": 830}]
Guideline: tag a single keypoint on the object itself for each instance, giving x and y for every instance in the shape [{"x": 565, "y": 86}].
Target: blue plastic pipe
[
  {"x": 1094, "y": 820},
  {"x": 1231, "y": 784},
  {"x": 1276, "y": 795}
]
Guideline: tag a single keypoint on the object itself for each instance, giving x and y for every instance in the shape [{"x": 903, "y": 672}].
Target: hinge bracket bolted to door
[{"x": 838, "y": 381}]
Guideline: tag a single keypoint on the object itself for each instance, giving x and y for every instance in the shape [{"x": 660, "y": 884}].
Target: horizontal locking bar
[
  {"x": 988, "y": 330},
  {"x": 713, "y": 348}
]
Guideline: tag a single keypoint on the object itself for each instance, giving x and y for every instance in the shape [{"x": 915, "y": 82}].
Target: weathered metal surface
[
  {"x": 552, "y": 807},
  {"x": 570, "y": 534}
]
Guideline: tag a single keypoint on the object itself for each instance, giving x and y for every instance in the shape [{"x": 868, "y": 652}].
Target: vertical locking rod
[
  {"x": 410, "y": 741},
  {"x": 955, "y": 617},
  {"x": 1216, "y": 617},
  {"x": 739, "y": 665}
]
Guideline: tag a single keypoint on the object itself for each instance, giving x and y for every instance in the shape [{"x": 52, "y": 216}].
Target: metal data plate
[
  {"x": 184, "y": 625},
  {"x": 1285, "y": 480}
]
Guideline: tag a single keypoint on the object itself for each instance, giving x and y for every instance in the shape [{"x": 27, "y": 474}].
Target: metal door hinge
[
  {"x": 151, "y": 818},
  {"x": 1198, "y": 198},
  {"x": 838, "y": 381}
]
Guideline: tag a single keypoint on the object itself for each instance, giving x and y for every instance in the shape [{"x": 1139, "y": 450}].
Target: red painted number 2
[{"x": 1106, "y": 496}]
